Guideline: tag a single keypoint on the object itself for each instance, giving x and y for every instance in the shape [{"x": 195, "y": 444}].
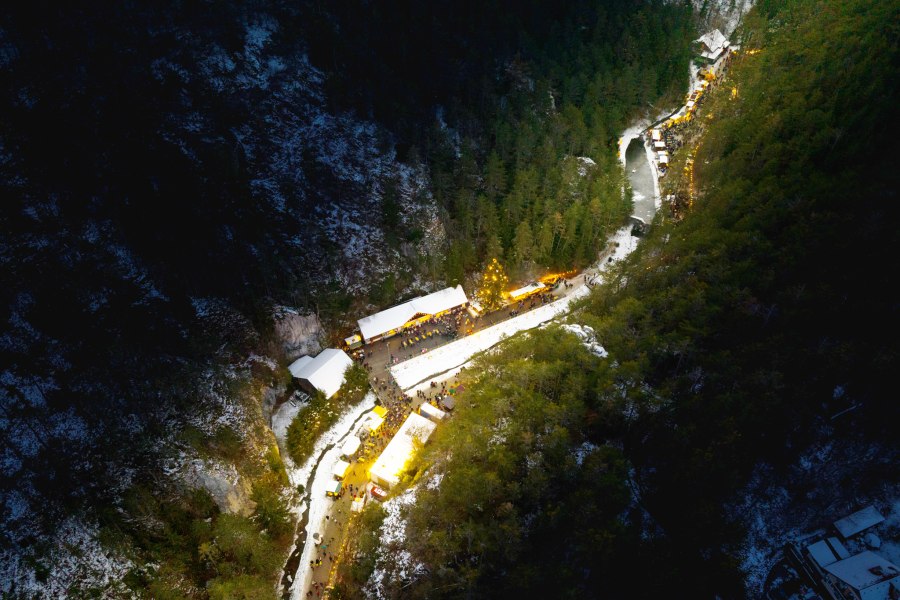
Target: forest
[
  {"x": 735, "y": 337},
  {"x": 144, "y": 248}
]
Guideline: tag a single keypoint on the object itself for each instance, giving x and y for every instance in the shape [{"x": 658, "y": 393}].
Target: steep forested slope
[
  {"x": 735, "y": 336},
  {"x": 170, "y": 175}
]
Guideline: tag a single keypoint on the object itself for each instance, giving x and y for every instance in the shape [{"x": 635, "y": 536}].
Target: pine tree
[{"x": 493, "y": 284}]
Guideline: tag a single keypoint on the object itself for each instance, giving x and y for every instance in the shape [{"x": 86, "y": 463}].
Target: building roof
[
  {"x": 325, "y": 372},
  {"x": 340, "y": 468},
  {"x": 858, "y": 521},
  {"x": 864, "y": 570},
  {"x": 396, "y": 316},
  {"x": 713, "y": 43},
  {"x": 392, "y": 461},
  {"x": 430, "y": 412},
  {"x": 821, "y": 553},
  {"x": 532, "y": 287},
  {"x": 298, "y": 365},
  {"x": 350, "y": 446}
]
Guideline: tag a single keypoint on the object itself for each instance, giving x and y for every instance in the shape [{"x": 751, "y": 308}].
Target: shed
[
  {"x": 324, "y": 372},
  {"x": 431, "y": 413},
  {"x": 858, "y": 521}
]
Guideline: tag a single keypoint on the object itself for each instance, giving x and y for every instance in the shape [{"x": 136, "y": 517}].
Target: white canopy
[
  {"x": 386, "y": 470},
  {"x": 333, "y": 488},
  {"x": 397, "y": 316},
  {"x": 656, "y": 135},
  {"x": 663, "y": 159},
  {"x": 298, "y": 365},
  {"x": 340, "y": 468},
  {"x": 532, "y": 287},
  {"x": 350, "y": 446},
  {"x": 324, "y": 372},
  {"x": 430, "y": 412}
]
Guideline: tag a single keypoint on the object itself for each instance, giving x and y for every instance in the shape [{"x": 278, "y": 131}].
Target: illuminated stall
[
  {"x": 413, "y": 312},
  {"x": 387, "y": 469}
]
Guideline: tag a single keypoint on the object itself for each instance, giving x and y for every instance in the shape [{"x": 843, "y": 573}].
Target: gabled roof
[
  {"x": 325, "y": 372},
  {"x": 298, "y": 365},
  {"x": 826, "y": 552},
  {"x": 712, "y": 40},
  {"x": 396, "y": 316},
  {"x": 863, "y": 570},
  {"x": 534, "y": 286},
  {"x": 714, "y": 43},
  {"x": 858, "y": 521}
]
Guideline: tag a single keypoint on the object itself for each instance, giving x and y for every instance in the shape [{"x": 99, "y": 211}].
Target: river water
[{"x": 641, "y": 178}]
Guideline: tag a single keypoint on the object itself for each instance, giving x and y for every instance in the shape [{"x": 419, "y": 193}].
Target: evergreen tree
[{"x": 492, "y": 286}]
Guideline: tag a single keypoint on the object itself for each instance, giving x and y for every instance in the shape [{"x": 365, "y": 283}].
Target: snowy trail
[
  {"x": 451, "y": 356},
  {"x": 444, "y": 362},
  {"x": 325, "y": 453}
]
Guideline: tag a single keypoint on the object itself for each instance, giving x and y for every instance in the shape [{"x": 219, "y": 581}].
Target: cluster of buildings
[{"x": 841, "y": 574}]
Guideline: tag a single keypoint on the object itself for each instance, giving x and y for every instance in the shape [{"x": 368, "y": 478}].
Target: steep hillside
[
  {"x": 175, "y": 179},
  {"x": 748, "y": 386}
]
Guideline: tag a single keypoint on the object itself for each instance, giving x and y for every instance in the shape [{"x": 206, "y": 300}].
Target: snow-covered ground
[
  {"x": 75, "y": 558},
  {"x": 416, "y": 370},
  {"x": 316, "y": 500},
  {"x": 393, "y": 561},
  {"x": 446, "y": 361}
]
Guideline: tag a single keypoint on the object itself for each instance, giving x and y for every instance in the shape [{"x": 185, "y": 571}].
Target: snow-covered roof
[
  {"x": 392, "y": 461},
  {"x": 531, "y": 288},
  {"x": 865, "y": 570},
  {"x": 298, "y": 365},
  {"x": 713, "y": 43},
  {"x": 821, "y": 553},
  {"x": 340, "y": 468},
  {"x": 325, "y": 372},
  {"x": 858, "y": 521},
  {"x": 350, "y": 446},
  {"x": 396, "y": 316}
]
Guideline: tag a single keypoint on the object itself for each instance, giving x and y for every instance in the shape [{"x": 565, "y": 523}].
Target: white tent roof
[
  {"x": 350, "y": 446},
  {"x": 663, "y": 159},
  {"x": 326, "y": 371},
  {"x": 431, "y": 412},
  {"x": 864, "y": 570},
  {"x": 297, "y": 366},
  {"x": 655, "y": 134},
  {"x": 396, "y": 316},
  {"x": 531, "y": 287},
  {"x": 387, "y": 468},
  {"x": 340, "y": 468}
]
